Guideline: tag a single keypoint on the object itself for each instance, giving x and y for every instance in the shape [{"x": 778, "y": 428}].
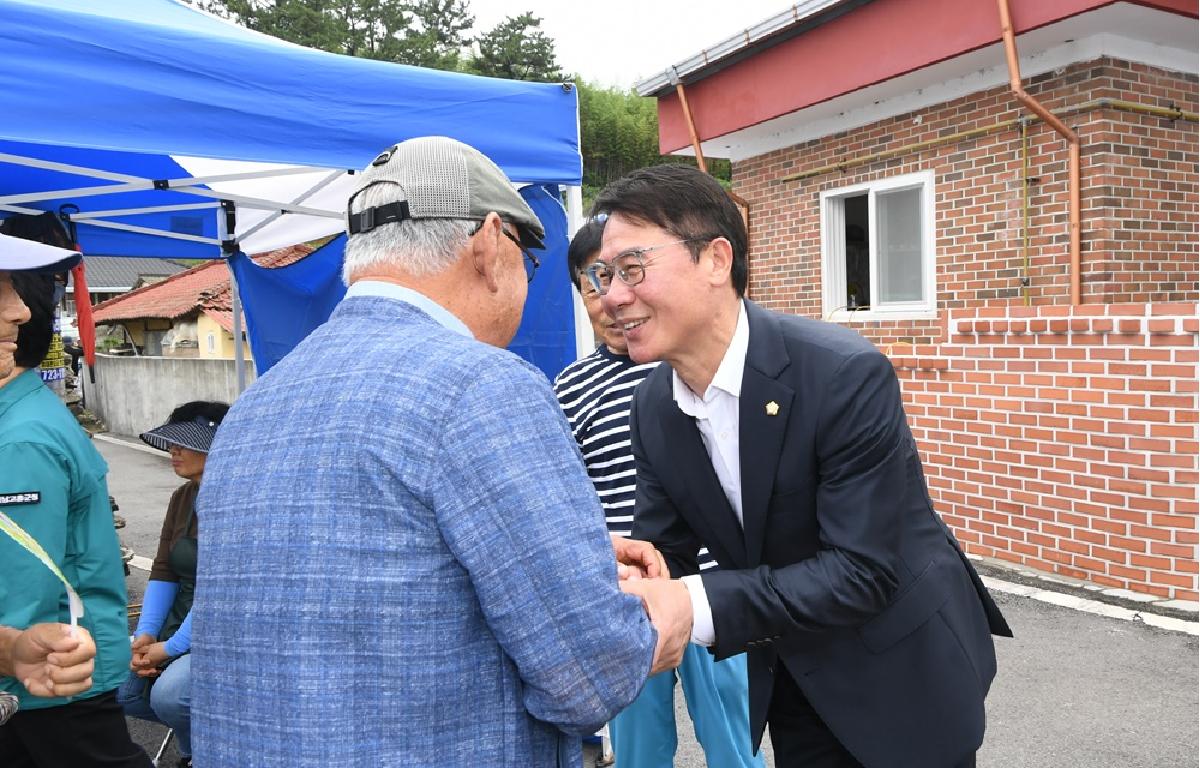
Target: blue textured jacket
[{"x": 404, "y": 563}]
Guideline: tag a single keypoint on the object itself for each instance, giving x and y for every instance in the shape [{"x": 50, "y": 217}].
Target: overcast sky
[{"x": 618, "y": 42}]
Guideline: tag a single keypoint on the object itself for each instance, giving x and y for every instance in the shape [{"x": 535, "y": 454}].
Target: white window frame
[{"x": 833, "y": 256}]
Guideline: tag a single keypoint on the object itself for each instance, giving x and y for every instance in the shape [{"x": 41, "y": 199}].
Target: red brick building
[{"x": 895, "y": 183}]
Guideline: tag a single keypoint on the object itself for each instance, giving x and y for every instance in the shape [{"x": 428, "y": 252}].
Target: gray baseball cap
[{"x": 436, "y": 177}]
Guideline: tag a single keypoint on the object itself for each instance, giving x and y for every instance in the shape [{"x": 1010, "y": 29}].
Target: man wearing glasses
[
  {"x": 780, "y": 444},
  {"x": 407, "y": 565},
  {"x": 595, "y": 393}
]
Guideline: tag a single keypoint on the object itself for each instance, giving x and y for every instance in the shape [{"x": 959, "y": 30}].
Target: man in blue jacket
[{"x": 404, "y": 564}]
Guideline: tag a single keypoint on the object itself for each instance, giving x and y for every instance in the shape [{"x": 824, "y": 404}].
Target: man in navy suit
[{"x": 780, "y": 444}]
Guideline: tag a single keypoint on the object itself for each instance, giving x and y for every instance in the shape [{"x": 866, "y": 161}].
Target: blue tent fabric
[
  {"x": 546, "y": 336},
  {"x": 285, "y": 304},
  {"x": 102, "y": 241},
  {"x": 125, "y": 86},
  {"x": 128, "y": 87},
  {"x": 157, "y": 76}
]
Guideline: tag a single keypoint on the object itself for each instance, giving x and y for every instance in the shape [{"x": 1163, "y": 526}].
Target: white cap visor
[{"x": 18, "y": 254}]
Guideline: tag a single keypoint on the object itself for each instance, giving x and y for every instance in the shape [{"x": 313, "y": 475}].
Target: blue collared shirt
[
  {"x": 409, "y": 501},
  {"x": 443, "y": 316}
]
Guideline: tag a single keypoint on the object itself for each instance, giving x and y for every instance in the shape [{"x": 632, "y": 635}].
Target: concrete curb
[
  {"x": 1138, "y": 603},
  {"x": 128, "y": 444},
  {"x": 1077, "y": 603}
]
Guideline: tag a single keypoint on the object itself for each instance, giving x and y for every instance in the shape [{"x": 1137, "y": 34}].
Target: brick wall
[
  {"x": 1065, "y": 438},
  {"x": 1060, "y": 437},
  {"x": 1139, "y": 194}
]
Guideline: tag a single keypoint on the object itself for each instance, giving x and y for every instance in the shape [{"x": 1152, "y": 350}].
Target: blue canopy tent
[
  {"x": 292, "y": 300},
  {"x": 164, "y": 131}
]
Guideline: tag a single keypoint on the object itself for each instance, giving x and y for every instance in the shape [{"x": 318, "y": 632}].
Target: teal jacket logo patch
[{"x": 21, "y": 497}]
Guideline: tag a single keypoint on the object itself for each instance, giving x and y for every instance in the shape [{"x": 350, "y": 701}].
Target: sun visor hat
[
  {"x": 18, "y": 255},
  {"x": 195, "y": 435}
]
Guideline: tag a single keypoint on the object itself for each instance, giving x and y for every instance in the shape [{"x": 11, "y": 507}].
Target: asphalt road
[{"x": 1075, "y": 690}]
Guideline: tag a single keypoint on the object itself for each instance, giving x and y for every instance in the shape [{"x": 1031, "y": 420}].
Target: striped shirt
[{"x": 595, "y": 394}]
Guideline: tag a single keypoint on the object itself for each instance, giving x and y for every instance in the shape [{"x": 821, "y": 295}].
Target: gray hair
[{"x": 419, "y": 247}]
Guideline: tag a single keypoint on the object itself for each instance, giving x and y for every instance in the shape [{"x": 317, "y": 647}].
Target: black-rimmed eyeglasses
[
  {"x": 531, "y": 261},
  {"x": 629, "y": 266}
]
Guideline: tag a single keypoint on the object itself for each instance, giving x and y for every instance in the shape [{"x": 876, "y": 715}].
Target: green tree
[
  {"x": 440, "y": 35},
  {"x": 618, "y": 129},
  {"x": 517, "y": 49},
  {"x": 426, "y": 33},
  {"x": 618, "y": 133}
]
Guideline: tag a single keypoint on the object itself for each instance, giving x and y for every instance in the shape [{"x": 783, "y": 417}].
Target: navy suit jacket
[{"x": 841, "y": 571}]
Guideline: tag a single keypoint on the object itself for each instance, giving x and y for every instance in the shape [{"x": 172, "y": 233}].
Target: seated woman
[{"x": 159, "y": 687}]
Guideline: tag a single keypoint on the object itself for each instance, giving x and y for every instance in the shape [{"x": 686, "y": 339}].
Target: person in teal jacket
[{"x": 52, "y": 485}]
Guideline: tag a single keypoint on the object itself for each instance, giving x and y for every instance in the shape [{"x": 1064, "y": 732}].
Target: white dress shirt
[{"x": 716, "y": 415}]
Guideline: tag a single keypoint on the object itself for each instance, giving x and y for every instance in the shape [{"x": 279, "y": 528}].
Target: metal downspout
[
  {"x": 687, "y": 116},
  {"x": 1073, "y": 156},
  {"x": 1025, "y": 279}
]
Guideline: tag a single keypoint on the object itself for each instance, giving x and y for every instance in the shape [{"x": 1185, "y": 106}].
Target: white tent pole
[
  {"x": 574, "y": 209},
  {"x": 122, "y": 227},
  {"x": 239, "y": 351},
  {"x": 131, "y": 183},
  {"x": 261, "y": 204},
  {"x": 134, "y": 183},
  {"x": 149, "y": 209},
  {"x": 584, "y": 339},
  {"x": 243, "y": 200},
  {"x": 78, "y": 170},
  {"x": 299, "y": 199},
  {"x": 152, "y": 231},
  {"x": 226, "y": 227}
]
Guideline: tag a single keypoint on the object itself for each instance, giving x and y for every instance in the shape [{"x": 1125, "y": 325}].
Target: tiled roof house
[{"x": 188, "y": 314}]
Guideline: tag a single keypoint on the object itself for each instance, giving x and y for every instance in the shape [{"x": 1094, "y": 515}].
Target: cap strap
[{"x": 372, "y": 218}]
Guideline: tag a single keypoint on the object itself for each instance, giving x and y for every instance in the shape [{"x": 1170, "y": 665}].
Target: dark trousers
[
  {"x": 799, "y": 735},
  {"x": 90, "y": 732}
]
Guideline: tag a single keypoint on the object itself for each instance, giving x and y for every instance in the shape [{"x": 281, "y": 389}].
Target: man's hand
[
  {"x": 638, "y": 559},
  {"x": 51, "y": 661},
  {"x": 669, "y": 607}
]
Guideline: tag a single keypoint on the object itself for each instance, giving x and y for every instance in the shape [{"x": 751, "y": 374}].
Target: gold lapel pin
[{"x": 772, "y": 408}]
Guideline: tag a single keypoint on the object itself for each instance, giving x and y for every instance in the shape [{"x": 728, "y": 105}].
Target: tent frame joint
[{"x": 229, "y": 245}]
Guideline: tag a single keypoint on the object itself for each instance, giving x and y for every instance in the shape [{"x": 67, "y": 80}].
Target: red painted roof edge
[{"x": 708, "y": 95}]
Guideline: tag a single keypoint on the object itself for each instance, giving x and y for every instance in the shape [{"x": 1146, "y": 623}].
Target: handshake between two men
[{"x": 642, "y": 571}]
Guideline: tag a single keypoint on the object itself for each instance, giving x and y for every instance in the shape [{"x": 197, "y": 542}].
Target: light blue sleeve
[
  {"x": 181, "y": 642},
  {"x": 156, "y": 603},
  {"x": 519, "y": 513}
]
